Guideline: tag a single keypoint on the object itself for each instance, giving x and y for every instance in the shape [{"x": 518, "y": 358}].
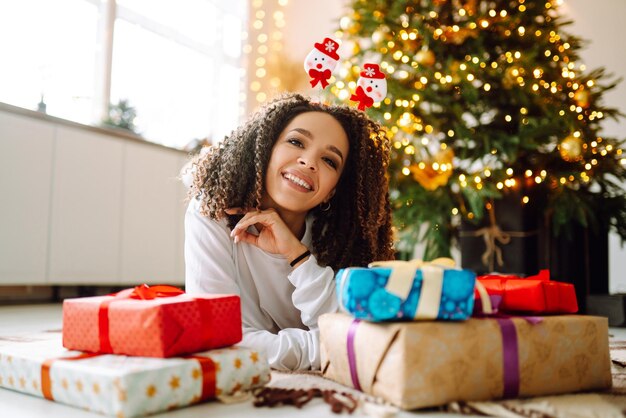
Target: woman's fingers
[
  {"x": 245, "y": 236},
  {"x": 275, "y": 237},
  {"x": 242, "y": 224},
  {"x": 265, "y": 218}
]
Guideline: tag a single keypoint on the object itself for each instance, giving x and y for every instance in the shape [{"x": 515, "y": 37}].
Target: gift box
[
  {"x": 157, "y": 321},
  {"x": 412, "y": 290},
  {"x": 508, "y": 238},
  {"x": 424, "y": 364},
  {"x": 125, "y": 386},
  {"x": 534, "y": 294}
]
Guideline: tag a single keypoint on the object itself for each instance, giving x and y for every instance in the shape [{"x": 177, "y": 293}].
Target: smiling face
[{"x": 306, "y": 163}]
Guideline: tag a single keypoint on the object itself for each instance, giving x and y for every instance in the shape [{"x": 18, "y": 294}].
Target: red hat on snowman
[
  {"x": 372, "y": 71},
  {"x": 328, "y": 47}
]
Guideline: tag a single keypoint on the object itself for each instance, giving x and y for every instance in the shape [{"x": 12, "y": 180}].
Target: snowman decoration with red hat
[
  {"x": 371, "y": 87},
  {"x": 321, "y": 61}
]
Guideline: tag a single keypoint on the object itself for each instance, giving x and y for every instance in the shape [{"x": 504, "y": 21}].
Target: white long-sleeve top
[{"x": 280, "y": 305}]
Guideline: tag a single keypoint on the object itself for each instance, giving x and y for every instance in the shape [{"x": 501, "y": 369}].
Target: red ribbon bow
[
  {"x": 364, "y": 100},
  {"x": 319, "y": 77},
  {"x": 146, "y": 292}
]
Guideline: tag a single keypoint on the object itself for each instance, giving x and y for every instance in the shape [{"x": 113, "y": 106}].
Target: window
[
  {"x": 178, "y": 63},
  {"x": 48, "y": 50}
]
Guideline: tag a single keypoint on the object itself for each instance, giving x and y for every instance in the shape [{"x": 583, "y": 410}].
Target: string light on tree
[{"x": 265, "y": 34}]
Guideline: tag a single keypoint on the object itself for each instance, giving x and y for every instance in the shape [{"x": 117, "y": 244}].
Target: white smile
[{"x": 297, "y": 180}]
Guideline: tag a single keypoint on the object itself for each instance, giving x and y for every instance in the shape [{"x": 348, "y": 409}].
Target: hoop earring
[{"x": 325, "y": 209}]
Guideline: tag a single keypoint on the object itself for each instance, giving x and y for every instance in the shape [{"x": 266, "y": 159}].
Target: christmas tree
[{"x": 486, "y": 97}]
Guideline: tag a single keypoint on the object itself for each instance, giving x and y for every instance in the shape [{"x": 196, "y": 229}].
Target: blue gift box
[{"x": 365, "y": 294}]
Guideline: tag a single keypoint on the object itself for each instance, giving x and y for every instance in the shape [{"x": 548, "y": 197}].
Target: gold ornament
[
  {"x": 434, "y": 173},
  {"x": 411, "y": 44},
  {"x": 425, "y": 57},
  {"x": 459, "y": 36},
  {"x": 571, "y": 148},
  {"x": 455, "y": 72},
  {"x": 510, "y": 77},
  {"x": 581, "y": 97}
]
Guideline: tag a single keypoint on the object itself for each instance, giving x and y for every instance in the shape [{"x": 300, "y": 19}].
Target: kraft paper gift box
[
  {"x": 537, "y": 294},
  {"x": 125, "y": 386},
  {"x": 425, "y": 364},
  {"x": 407, "y": 290},
  {"x": 151, "y": 321}
]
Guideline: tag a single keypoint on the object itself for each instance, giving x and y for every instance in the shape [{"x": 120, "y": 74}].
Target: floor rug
[{"x": 608, "y": 404}]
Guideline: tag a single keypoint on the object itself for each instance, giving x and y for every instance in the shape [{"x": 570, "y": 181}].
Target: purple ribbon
[
  {"x": 510, "y": 357},
  {"x": 510, "y": 347},
  {"x": 510, "y": 351},
  {"x": 352, "y": 355}
]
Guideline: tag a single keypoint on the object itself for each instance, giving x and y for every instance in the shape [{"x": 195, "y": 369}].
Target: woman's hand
[{"x": 275, "y": 237}]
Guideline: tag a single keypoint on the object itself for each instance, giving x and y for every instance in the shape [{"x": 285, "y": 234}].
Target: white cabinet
[
  {"x": 182, "y": 208},
  {"x": 152, "y": 221},
  {"x": 86, "y": 208},
  {"x": 26, "y": 153},
  {"x": 81, "y": 206}
]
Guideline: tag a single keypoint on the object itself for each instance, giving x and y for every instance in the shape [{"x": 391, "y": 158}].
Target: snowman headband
[{"x": 322, "y": 60}]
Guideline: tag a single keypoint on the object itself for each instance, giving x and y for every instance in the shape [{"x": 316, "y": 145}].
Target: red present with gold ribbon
[
  {"x": 124, "y": 386},
  {"x": 535, "y": 294},
  {"x": 151, "y": 321}
]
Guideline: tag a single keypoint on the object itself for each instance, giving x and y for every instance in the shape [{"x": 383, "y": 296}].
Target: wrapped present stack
[
  {"x": 138, "y": 352},
  {"x": 407, "y": 336}
]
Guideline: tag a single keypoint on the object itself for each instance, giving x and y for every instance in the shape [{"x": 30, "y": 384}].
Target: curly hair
[{"x": 356, "y": 230}]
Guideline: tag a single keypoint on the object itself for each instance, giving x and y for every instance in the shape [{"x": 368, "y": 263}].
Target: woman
[{"x": 293, "y": 195}]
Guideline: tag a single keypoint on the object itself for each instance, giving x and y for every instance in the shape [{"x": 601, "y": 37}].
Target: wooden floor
[{"x": 30, "y": 318}]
